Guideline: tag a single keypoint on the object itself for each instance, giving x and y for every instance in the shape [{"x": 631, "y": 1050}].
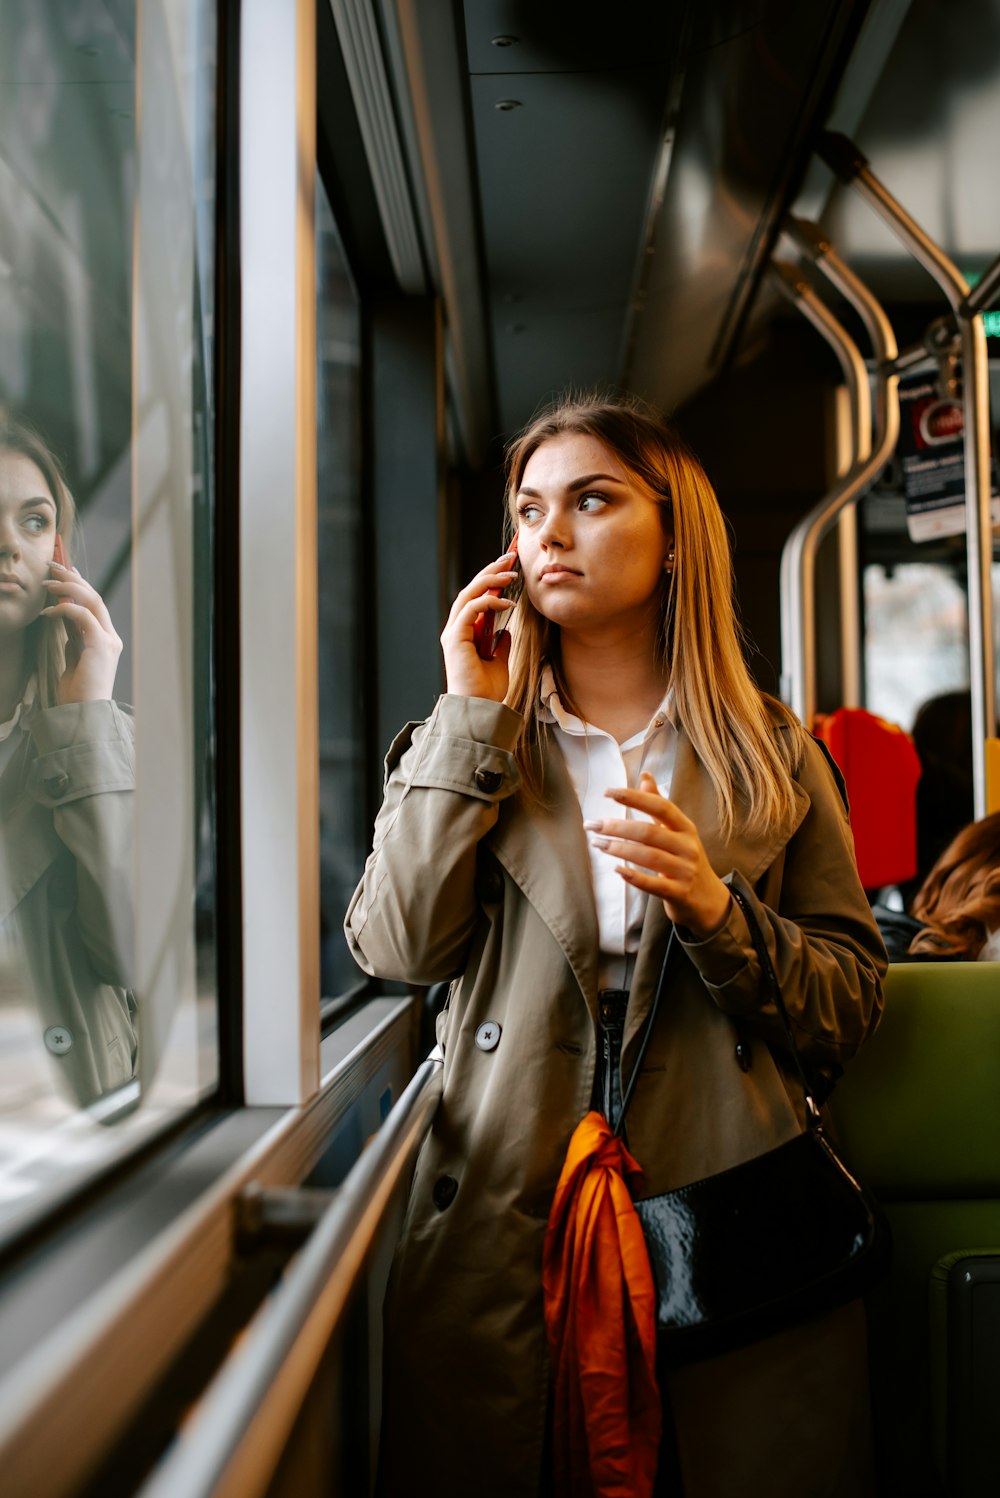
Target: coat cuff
[
  {"x": 476, "y": 718},
  {"x": 83, "y": 748},
  {"x": 466, "y": 746},
  {"x": 722, "y": 959}
]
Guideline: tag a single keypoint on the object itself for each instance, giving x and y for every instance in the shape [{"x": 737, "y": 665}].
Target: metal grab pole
[
  {"x": 818, "y": 247},
  {"x": 814, "y": 243},
  {"x": 985, "y": 289},
  {"x": 797, "y": 580},
  {"x": 798, "y": 558},
  {"x": 844, "y": 158}
]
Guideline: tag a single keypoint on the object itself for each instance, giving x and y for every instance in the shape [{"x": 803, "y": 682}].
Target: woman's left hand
[
  {"x": 672, "y": 861},
  {"x": 92, "y": 645}
]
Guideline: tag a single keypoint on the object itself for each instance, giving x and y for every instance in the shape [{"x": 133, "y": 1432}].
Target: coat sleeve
[
  {"x": 822, "y": 938},
  {"x": 413, "y": 914},
  {"x": 84, "y": 773}
]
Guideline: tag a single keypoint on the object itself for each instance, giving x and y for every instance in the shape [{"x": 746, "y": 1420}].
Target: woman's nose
[{"x": 554, "y": 532}]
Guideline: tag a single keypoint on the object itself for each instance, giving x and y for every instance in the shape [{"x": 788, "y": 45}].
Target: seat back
[
  {"x": 918, "y": 1109},
  {"x": 918, "y": 1117},
  {"x": 881, "y": 769}
]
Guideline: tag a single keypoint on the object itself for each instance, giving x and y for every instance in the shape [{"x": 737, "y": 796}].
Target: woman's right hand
[
  {"x": 92, "y": 644},
  {"x": 466, "y": 673}
]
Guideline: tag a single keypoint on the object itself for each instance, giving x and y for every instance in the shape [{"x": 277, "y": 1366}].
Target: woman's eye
[
  {"x": 37, "y": 523},
  {"x": 592, "y": 501},
  {"x": 528, "y": 513}
]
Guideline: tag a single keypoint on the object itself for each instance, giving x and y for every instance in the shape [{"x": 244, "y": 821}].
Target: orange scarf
[{"x": 600, "y": 1317}]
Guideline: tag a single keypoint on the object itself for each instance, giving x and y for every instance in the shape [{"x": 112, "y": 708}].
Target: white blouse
[
  {"x": 9, "y": 740},
  {"x": 596, "y": 762}
]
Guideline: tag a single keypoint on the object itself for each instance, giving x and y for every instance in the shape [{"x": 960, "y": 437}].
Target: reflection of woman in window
[{"x": 66, "y": 781}]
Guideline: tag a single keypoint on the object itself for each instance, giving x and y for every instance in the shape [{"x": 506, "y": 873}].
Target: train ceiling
[
  {"x": 931, "y": 131},
  {"x": 599, "y": 187},
  {"x": 649, "y": 151}
]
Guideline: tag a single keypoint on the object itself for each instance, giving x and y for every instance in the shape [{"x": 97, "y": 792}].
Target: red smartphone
[
  {"x": 485, "y": 626},
  {"x": 59, "y": 554}
]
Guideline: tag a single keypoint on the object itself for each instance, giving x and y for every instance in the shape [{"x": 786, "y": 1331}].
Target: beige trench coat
[
  {"x": 465, "y": 884},
  {"x": 67, "y": 870}
]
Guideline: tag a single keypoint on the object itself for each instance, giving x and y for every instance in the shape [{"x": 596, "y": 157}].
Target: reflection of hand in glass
[
  {"x": 67, "y": 777},
  {"x": 92, "y": 646}
]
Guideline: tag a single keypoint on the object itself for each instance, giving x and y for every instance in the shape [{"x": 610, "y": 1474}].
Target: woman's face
[
  {"x": 27, "y": 541},
  {"x": 591, "y": 543}
]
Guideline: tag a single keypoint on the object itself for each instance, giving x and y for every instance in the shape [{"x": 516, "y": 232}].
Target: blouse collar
[
  {"x": 22, "y": 709},
  {"x": 553, "y": 711}
]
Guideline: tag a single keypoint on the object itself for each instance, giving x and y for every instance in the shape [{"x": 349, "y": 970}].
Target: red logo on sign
[{"x": 941, "y": 421}]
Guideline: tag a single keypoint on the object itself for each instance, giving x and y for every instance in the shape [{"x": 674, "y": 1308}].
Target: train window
[
  {"x": 107, "y": 891},
  {"x": 343, "y": 802},
  {"x": 917, "y": 635}
]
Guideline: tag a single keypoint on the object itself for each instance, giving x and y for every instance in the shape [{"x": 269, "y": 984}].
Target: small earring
[{"x": 670, "y": 561}]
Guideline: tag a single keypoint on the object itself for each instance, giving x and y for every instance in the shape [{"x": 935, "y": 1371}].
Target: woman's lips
[{"x": 559, "y": 575}]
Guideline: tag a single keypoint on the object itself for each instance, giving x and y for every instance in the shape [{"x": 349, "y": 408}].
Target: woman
[
  {"x": 624, "y": 660},
  {"x": 66, "y": 781}
]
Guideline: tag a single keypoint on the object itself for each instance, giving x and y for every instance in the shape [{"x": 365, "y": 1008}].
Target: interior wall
[{"x": 762, "y": 435}]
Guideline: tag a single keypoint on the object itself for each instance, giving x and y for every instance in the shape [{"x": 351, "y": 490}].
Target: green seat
[{"x": 918, "y": 1116}]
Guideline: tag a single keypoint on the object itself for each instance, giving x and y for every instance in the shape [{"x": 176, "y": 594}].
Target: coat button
[
  {"x": 488, "y": 1036},
  {"x": 58, "y": 1039},
  {"x": 443, "y": 1193},
  {"x": 488, "y": 780},
  {"x": 57, "y": 785}
]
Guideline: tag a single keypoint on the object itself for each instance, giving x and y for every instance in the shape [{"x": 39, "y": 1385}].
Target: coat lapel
[
  {"x": 28, "y": 839},
  {"x": 545, "y": 852},
  {"x": 749, "y": 854}
]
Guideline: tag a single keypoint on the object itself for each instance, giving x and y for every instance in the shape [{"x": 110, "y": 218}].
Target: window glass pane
[
  {"x": 107, "y": 1008},
  {"x": 916, "y": 635},
  {"x": 343, "y": 813}
]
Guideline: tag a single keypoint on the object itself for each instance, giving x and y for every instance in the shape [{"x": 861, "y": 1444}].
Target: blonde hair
[
  {"x": 730, "y": 722},
  {"x": 959, "y": 901},
  {"x": 47, "y": 636}
]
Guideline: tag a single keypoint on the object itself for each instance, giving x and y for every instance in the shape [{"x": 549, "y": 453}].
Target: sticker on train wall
[{"x": 932, "y": 456}]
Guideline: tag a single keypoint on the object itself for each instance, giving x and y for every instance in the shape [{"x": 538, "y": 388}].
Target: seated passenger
[
  {"x": 942, "y": 737},
  {"x": 956, "y": 912}
]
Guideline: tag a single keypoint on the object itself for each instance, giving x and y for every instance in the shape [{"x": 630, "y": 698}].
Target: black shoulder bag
[{"x": 745, "y": 1253}]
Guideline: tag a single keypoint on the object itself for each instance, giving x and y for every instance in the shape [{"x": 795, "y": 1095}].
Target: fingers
[
  {"x": 653, "y": 833},
  {"x": 83, "y": 611},
  {"x": 668, "y": 845},
  {"x": 459, "y": 632},
  {"x": 652, "y": 804},
  {"x": 497, "y": 575},
  {"x": 652, "y": 884},
  {"x": 67, "y": 586},
  {"x": 84, "y": 621},
  {"x": 663, "y": 862}
]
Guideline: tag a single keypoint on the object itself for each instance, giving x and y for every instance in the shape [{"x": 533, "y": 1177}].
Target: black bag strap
[
  {"x": 660, "y": 985},
  {"x": 774, "y": 990},
  {"x": 767, "y": 967}
]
